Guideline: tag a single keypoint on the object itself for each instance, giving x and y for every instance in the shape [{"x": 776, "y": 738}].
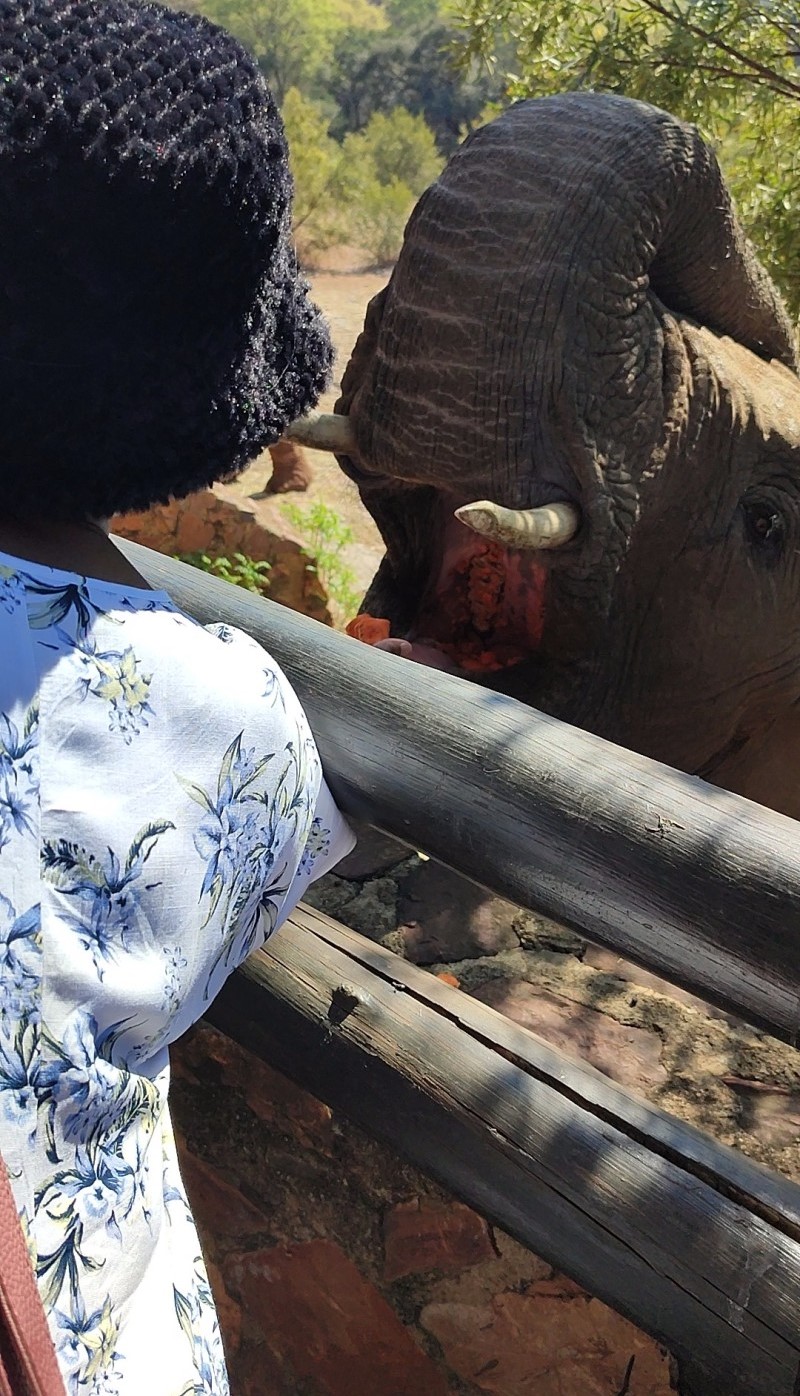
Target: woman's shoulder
[
  {"x": 214, "y": 663},
  {"x": 125, "y": 638}
]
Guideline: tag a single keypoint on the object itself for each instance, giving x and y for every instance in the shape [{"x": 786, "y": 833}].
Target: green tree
[
  {"x": 731, "y": 66},
  {"x": 385, "y": 168},
  {"x": 317, "y": 168},
  {"x": 362, "y": 190},
  {"x": 413, "y": 67},
  {"x": 399, "y": 147},
  {"x": 292, "y": 40},
  {"x": 413, "y": 14}
]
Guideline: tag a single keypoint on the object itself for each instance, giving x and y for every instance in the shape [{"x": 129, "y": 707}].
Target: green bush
[
  {"x": 400, "y": 149},
  {"x": 356, "y": 81},
  {"x": 320, "y": 217},
  {"x": 240, "y": 570},
  {"x": 325, "y": 535},
  {"x": 362, "y": 190},
  {"x": 379, "y": 218},
  {"x": 292, "y": 40}
]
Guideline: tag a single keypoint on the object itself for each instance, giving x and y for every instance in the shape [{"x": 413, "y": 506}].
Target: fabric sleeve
[{"x": 287, "y": 808}]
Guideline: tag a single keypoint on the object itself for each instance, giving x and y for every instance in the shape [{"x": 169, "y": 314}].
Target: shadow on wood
[
  {"x": 692, "y": 1242},
  {"x": 698, "y": 885}
]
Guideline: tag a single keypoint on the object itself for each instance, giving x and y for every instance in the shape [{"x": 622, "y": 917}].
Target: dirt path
[{"x": 343, "y": 297}]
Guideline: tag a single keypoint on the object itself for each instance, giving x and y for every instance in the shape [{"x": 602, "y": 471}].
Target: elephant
[{"x": 574, "y": 415}]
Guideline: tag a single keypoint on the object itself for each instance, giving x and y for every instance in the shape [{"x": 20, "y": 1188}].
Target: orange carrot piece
[{"x": 369, "y": 629}]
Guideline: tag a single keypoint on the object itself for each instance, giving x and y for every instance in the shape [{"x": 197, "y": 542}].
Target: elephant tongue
[{"x": 487, "y": 609}]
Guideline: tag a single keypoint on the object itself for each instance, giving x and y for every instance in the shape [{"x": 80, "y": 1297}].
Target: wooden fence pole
[
  {"x": 692, "y": 1242},
  {"x": 692, "y": 882}
]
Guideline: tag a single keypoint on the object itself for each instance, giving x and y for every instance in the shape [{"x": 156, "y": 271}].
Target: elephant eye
[{"x": 764, "y": 527}]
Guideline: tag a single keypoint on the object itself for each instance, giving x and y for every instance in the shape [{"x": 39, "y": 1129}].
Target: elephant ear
[{"x": 703, "y": 265}]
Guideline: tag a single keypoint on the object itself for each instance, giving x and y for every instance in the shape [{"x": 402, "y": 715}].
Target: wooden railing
[{"x": 695, "y": 1244}]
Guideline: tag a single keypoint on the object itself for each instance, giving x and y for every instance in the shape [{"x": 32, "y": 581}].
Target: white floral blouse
[{"x": 162, "y": 808}]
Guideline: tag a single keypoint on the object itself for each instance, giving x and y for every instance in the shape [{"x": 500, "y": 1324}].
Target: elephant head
[{"x": 578, "y": 332}]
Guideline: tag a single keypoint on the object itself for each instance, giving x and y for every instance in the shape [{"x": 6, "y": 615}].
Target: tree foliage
[
  {"x": 412, "y": 14},
  {"x": 386, "y": 168},
  {"x": 379, "y": 217},
  {"x": 293, "y": 40},
  {"x": 361, "y": 190},
  {"x": 317, "y": 163},
  {"x": 730, "y": 66},
  {"x": 373, "y": 99},
  {"x": 397, "y": 146},
  {"x": 413, "y": 66}
]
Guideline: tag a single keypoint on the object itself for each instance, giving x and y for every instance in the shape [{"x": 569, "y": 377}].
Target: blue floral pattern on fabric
[
  {"x": 116, "y": 677},
  {"x": 106, "y": 912},
  {"x": 12, "y": 592},
  {"x": 18, "y": 789},
  {"x": 162, "y": 808}
]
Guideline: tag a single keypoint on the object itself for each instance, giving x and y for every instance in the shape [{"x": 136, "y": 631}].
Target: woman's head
[{"x": 154, "y": 332}]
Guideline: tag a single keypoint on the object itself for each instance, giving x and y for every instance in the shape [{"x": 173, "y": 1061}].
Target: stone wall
[
  {"x": 341, "y": 1271},
  {"x": 220, "y": 522}
]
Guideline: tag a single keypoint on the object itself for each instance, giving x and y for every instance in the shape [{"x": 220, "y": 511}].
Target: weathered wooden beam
[
  {"x": 691, "y": 1241},
  {"x": 694, "y": 883}
]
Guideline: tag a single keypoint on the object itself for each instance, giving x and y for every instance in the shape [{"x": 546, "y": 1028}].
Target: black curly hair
[{"x": 155, "y": 333}]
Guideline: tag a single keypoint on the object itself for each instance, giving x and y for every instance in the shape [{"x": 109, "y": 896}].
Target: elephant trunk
[
  {"x": 702, "y": 265},
  {"x": 520, "y": 350}
]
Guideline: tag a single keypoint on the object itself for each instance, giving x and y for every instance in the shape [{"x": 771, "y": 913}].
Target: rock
[
  {"x": 443, "y": 918},
  {"x": 220, "y": 1211},
  {"x": 540, "y": 933},
  {"x": 228, "y": 1311},
  {"x": 368, "y": 907},
  {"x": 424, "y": 1235},
  {"x": 631, "y": 1056},
  {"x": 191, "y": 1054},
  {"x": 373, "y": 911},
  {"x": 510, "y": 1252},
  {"x": 770, "y": 1112},
  {"x": 374, "y": 854},
  {"x": 324, "y": 1328},
  {"x": 512, "y": 1267},
  {"x": 537, "y": 1345},
  {"x": 330, "y": 895},
  {"x": 291, "y": 469},
  {"x": 278, "y": 1101},
  {"x": 180, "y": 1067},
  {"x": 272, "y": 1097},
  {"x": 220, "y": 523},
  {"x": 608, "y": 962}
]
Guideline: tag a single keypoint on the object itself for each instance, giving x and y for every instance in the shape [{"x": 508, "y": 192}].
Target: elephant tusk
[
  {"x": 549, "y": 526},
  {"x": 323, "y": 431}
]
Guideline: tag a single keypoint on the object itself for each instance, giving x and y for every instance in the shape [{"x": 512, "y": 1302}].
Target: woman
[{"x": 162, "y": 805}]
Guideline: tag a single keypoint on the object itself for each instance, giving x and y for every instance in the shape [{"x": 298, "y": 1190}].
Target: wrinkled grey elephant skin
[{"x": 576, "y": 315}]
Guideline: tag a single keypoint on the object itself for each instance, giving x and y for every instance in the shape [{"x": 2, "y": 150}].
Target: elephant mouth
[{"x": 483, "y": 607}]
